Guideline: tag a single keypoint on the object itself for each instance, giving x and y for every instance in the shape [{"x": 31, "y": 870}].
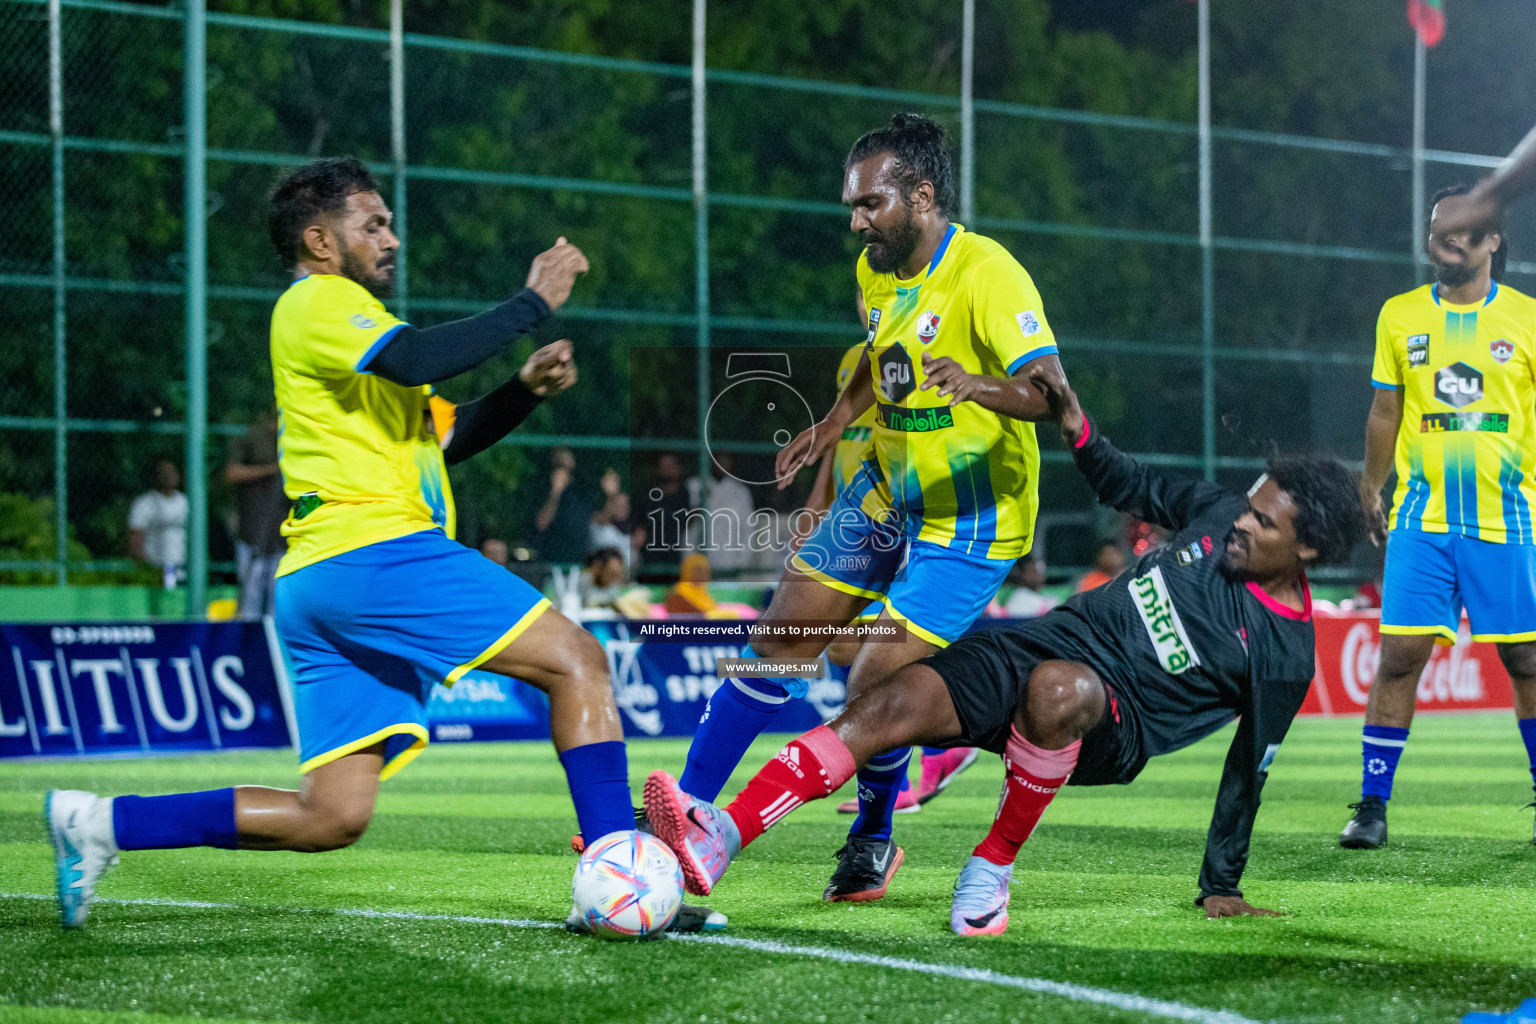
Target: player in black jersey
[{"x": 1212, "y": 627}]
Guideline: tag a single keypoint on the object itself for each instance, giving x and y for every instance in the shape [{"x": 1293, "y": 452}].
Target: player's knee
[
  {"x": 1403, "y": 658},
  {"x": 337, "y": 827},
  {"x": 1061, "y": 703},
  {"x": 586, "y": 663},
  {"x": 1519, "y": 660},
  {"x": 893, "y": 704}
]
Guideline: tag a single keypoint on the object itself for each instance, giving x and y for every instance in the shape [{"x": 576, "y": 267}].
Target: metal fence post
[
  {"x": 701, "y": 241},
  {"x": 195, "y": 203},
  {"x": 967, "y": 113},
  {"x": 60, "y": 384},
  {"x": 1419, "y": 199},
  {"x": 1207, "y": 259},
  {"x": 397, "y": 150}
]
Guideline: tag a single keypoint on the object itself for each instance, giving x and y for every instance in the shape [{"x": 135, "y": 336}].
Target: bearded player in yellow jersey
[
  {"x": 933, "y": 523},
  {"x": 376, "y": 603},
  {"x": 1455, "y": 373}
]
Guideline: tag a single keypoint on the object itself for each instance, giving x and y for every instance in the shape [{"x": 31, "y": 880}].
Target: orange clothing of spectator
[
  {"x": 1095, "y": 578},
  {"x": 691, "y": 592}
]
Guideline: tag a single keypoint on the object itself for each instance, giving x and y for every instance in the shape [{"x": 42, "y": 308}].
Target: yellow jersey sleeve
[
  {"x": 344, "y": 328},
  {"x": 1009, "y": 317},
  {"x": 1385, "y": 373}
]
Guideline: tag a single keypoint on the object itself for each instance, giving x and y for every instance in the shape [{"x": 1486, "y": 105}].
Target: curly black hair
[
  {"x": 312, "y": 190},
  {"x": 1327, "y": 499},
  {"x": 1501, "y": 254},
  {"x": 921, "y": 148}
]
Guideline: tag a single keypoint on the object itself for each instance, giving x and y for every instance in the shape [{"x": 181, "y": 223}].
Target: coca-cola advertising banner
[{"x": 1465, "y": 677}]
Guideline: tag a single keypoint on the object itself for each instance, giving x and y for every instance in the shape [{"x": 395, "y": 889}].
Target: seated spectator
[
  {"x": 1027, "y": 602},
  {"x": 609, "y": 527},
  {"x": 157, "y": 525},
  {"x": 1106, "y": 566},
  {"x": 496, "y": 550},
  {"x": 691, "y": 592}
]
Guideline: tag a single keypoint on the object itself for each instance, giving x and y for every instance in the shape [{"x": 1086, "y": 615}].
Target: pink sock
[{"x": 1034, "y": 776}]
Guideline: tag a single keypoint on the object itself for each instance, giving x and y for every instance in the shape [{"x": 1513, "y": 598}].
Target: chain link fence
[{"x": 508, "y": 146}]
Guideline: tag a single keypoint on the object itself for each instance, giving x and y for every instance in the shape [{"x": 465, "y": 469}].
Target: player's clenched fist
[
  {"x": 554, "y": 272},
  {"x": 551, "y": 369}
]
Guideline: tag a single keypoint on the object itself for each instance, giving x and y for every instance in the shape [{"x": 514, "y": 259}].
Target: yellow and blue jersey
[
  {"x": 365, "y": 447},
  {"x": 857, "y": 443},
  {"x": 962, "y": 477},
  {"x": 1466, "y": 451}
]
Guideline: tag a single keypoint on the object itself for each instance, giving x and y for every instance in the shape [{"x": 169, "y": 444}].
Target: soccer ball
[{"x": 628, "y": 885}]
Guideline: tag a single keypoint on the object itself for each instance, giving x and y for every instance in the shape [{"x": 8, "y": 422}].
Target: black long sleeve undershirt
[
  {"x": 481, "y": 423},
  {"x": 426, "y": 355}
]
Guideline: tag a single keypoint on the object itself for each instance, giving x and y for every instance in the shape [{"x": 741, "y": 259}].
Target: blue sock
[
  {"x": 879, "y": 784},
  {"x": 598, "y": 775},
  {"x": 738, "y": 712},
  {"x": 177, "y": 821},
  {"x": 1381, "y": 746},
  {"x": 934, "y": 751},
  {"x": 1528, "y": 733}
]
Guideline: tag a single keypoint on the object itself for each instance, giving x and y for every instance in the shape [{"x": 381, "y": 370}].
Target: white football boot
[{"x": 80, "y": 828}]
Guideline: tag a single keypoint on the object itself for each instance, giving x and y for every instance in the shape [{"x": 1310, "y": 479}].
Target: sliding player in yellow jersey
[
  {"x": 376, "y": 603},
  {"x": 1455, "y": 373},
  {"x": 933, "y": 523}
]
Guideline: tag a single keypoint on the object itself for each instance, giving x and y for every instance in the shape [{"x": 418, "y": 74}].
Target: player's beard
[
  {"x": 1454, "y": 275},
  {"x": 1238, "y": 574},
  {"x": 378, "y": 279},
  {"x": 895, "y": 247}
]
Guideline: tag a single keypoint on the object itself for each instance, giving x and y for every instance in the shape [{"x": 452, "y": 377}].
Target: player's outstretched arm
[
  {"x": 1485, "y": 204},
  {"x": 481, "y": 423},
  {"x": 1119, "y": 480},
  {"x": 1014, "y": 396},
  {"x": 816, "y": 441},
  {"x": 1226, "y": 845},
  {"x": 426, "y": 355}
]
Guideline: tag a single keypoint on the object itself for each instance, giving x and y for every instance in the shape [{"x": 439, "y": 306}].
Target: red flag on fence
[{"x": 1428, "y": 19}]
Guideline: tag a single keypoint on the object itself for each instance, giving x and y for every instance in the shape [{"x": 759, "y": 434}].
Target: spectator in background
[
  {"x": 260, "y": 510},
  {"x": 1027, "y": 602},
  {"x": 729, "y": 510},
  {"x": 157, "y": 525},
  {"x": 610, "y": 524},
  {"x": 1106, "y": 566},
  {"x": 496, "y": 550},
  {"x": 562, "y": 522},
  {"x": 691, "y": 592},
  {"x": 659, "y": 534},
  {"x": 603, "y": 579}
]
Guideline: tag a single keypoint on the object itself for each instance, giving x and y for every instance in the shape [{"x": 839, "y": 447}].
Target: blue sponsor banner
[
  {"x": 69, "y": 689},
  {"x": 661, "y": 688}
]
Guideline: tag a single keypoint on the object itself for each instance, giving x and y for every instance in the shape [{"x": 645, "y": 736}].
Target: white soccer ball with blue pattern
[{"x": 628, "y": 885}]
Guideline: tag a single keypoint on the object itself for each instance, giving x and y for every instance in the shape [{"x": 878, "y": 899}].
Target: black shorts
[{"x": 986, "y": 674}]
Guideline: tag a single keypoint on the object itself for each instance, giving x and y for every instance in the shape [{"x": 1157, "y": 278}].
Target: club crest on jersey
[
  {"x": 1155, "y": 606},
  {"x": 1501, "y": 350},
  {"x": 1028, "y": 323},
  {"x": 874, "y": 325},
  {"x": 927, "y": 327},
  {"x": 1418, "y": 349}
]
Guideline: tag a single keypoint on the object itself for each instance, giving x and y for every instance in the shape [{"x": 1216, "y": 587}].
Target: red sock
[
  {"x": 809, "y": 768},
  {"x": 1034, "y": 776}
]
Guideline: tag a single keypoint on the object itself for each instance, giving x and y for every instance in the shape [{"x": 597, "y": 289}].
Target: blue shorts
[
  {"x": 936, "y": 592},
  {"x": 367, "y": 633},
  {"x": 1430, "y": 577}
]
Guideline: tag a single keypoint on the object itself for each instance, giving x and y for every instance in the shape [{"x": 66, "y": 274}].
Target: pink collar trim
[{"x": 1305, "y": 615}]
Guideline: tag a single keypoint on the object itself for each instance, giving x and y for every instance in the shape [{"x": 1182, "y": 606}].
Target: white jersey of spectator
[
  {"x": 1024, "y": 603},
  {"x": 163, "y": 518},
  {"x": 730, "y": 525}
]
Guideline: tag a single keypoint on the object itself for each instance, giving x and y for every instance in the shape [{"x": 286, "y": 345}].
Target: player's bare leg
[
  {"x": 331, "y": 809},
  {"x": 1388, "y": 715},
  {"x": 557, "y": 656},
  {"x": 1520, "y": 662}
]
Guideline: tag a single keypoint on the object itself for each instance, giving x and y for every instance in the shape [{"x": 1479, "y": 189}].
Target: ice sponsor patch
[
  {"x": 1161, "y": 619},
  {"x": 1418, "y": 349},
  {"x": 874, "y": 325},
  {"x": 1028, "y": 323}
]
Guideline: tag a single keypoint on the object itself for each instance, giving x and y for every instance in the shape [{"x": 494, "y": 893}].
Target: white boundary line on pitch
[{"x": 1078, "y": 993}]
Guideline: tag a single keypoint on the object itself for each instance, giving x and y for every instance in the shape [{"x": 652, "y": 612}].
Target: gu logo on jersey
[
  {"x": 895, "y": 373},
  {"x": 1161, "y": 618},
  {"x": 1418, "y": 349},
  {"x": 874, "y": 325},
  {"x": 1501, "y": 350},
  {"x": 927, "y": 327},
  {"x": 1458, "y": 384},
  {"x": 1028, "y": 323}
]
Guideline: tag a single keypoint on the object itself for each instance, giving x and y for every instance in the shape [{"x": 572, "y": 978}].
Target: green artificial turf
[{"x": 1440, "y": 922}]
